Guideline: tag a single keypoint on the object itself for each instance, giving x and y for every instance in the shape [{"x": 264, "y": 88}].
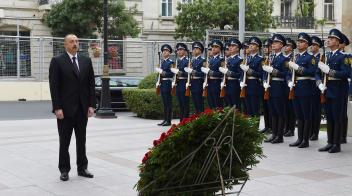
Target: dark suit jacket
[{"x": 70, "y": 89}]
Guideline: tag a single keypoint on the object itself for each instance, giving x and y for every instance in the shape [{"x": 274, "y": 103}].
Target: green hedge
[{"x": 146, "y": 104}]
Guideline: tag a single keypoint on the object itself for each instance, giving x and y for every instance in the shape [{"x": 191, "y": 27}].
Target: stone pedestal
[{"x": 349, "y": 114}]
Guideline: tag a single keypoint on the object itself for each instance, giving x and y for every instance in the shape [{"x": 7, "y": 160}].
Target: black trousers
[
  {"x": 65, "y": 128},
  {"x": 167, "y": 103}
]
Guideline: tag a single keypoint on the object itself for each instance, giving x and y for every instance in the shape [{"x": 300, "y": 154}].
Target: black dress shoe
[
  {"x": 313, "y": 137},
  {"x": 263, "y": 130},
  {"x": 289, "y": 134},
  {"x": 335, "y": 149},
  {"x": 64, "y": 176},
  {"x": 325, "y": 148},
  {"x": 343, "y": 141},
  {"x": 166, "y": 124},
  {"x": 277, "y": 140},
  {"x": 270, "y": 139},
  {"x": 304, "y": 144},
  {"x": 161, "y": 124},
  {"x": 85, "y": 173},
  {"x": 296, "y": 143}
]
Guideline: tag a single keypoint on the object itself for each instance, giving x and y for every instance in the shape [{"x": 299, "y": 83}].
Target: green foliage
[
  {"x": 149, "y": 81},
  {"x": 85, "y": 17},
  {"x": 195, "y": 18},
  {"x": 185, "y": 138},
  {"x": 305, "y": 8}
]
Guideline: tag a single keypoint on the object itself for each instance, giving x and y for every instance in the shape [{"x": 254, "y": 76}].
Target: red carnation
[
  {"x": 146, "y": 156},
  {"x": 162, "y": 136},
  {"x": 156, "y": 142}
]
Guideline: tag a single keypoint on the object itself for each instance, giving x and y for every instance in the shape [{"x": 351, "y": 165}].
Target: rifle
[
  {"x": 159, "y": 77},
  {"x": 174, "y": 81},
  {"x": 243, "y": 89},
  {"x": 188, "y": 84},
  {"x": 266, "y": 90},
  {"x": 291, "y": 95},
  {"x": 205, "y": 83},
  {"x": 323, "y": 59},
  {"x": 223, "y": 83}
]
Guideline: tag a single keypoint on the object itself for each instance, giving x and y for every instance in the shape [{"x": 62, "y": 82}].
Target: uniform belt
[
  {"x": 182, "y": 78},
  {"x": 252, "y": 78},
  {"x": 332, "y": 78},
  {"x": 214, "y": 78},
  {"x": 196, "y": 78},
  {"x": 304, "y": 78},
  {"x": 231, "y": 78},
  {"x": 277, "y": 79},
  {"x": 167, "y": 79}
]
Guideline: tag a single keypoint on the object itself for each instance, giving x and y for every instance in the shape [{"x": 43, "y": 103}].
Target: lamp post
[{"x": 104, "y": 110}]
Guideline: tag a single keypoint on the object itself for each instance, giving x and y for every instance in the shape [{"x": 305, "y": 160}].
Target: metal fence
[{"x": 28, "y": 58}]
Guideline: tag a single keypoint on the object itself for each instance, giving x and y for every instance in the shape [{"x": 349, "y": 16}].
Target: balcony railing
[
  {"x": 45, "y": 2},
  {"x": 294, "y": 22}
]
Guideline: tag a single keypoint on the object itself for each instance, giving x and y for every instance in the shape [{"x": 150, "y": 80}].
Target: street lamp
[{"x": 104, "y": 110}]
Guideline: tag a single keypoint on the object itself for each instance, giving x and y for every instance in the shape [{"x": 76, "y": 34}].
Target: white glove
[
  {"x": 266, "y": 85},
  {"x": 204, "y": 85},
  {"x": 293, "y": 65},
  {"x": 323, "y": 67},
  {"x": 291, "y": 84},
  {"x": 223, "y": 70},
  {"x": 244, "y": 67},
  {"x": 188, "y": 70},
  {"x": 268, "y": 69},
  {"x": 222, "y": 84},
  {"x": 242, "y": 84},
  {"x": 322, "y": 87},
  {"x": 205, "y": 70},
  {"x": 157, "y": 69},
  {"x": 174, "y": 70}
]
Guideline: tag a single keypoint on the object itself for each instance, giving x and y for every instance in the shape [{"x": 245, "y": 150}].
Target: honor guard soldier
[
  {"x": 342, "y": 46},
  {"x": 336, "y": 72},
  {"x": 268, "y": 56},
  {"x": 317, "y": 43},
  {"x": 290, "y": 118},
  {"x": 277, "y": 88},
  {"x": 254, "y": 74},
  {"x": 197, "y": 76},
  {"x": 304, "y": 69},
  {"x": 166, "y": 77},
  {"x": 226, "y": 51},
  {"x": 210, "y": 51},
  {"x": 245, "y": 47},
  {"x": 214, "y": 75},
  {"x": 181, "y": 79},
  {"x": 233, "y": 73}
]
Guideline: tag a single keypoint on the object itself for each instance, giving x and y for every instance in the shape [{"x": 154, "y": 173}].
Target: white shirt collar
[
  {"x": 333, "y": 52},
  {"x": 277, "y": 54},
  {"x": 71, "y": 56},
  {"x": 233, "y": 56},
  {"x": 215, "y": 56},
  {"x": 316, "y": 54},
  {"x": 182, "y": 57},
  {"x": 166, "y": 59},
  {"x": 253, "y": 55},
  {"x": 301, "y": 53}
]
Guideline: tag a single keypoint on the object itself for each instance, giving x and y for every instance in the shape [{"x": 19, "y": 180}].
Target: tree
[
  {"x": 194, "y": 18},
  {"x": 85, "y": 17},
  {"x": 305, "y": 8}
]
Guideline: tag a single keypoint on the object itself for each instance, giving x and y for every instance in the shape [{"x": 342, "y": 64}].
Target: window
[
  {"x": 286, "y": 8},
  {"x": 166, "y": 7},
  {"x": 329, "y": 9},
  {"x": 186, "y": 1}
]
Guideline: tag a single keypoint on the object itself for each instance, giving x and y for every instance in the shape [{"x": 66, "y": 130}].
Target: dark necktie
[{"x": 75, "y": 65}]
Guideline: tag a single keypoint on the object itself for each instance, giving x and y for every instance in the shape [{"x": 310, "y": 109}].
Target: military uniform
[
  {"x": 337, "y": 70},
  {"x": 197, "y": 79},
  {"x": 290, "y": 117},
  {"x": 267, "y": 117},
  {"x": 304, "y": 90},
  {"x": 254, "y": 88},
  {"x": 277, "y": 88},
  {"x": 233, "y": 74},
  {"x": 316, "y": 105},
  {"x": 166, "y": 78},
  {"x": 245, "y": 45},
  {"x": 182, "y": 75},
  {"x": 214, "y": 78}
]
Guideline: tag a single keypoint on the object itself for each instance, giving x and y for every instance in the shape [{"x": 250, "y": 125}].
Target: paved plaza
[{"x": 115, "y": 147}]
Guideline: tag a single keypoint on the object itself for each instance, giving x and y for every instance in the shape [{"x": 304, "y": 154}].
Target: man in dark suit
[{"x": 71, "y": 79}]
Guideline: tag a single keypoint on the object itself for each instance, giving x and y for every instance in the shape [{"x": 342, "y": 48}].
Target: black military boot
[
  {"x": 280, "y": 129},
  {"x": 336, "y": 146},
  {"x": 274, "y": 125},
  {"x": 315, "y": 130},
  {"x": 300, "y": 127},
  {"x": 168, "y": 117},
  {"x": 329, "y": 128},
  {"x": 306, "y": 132}
]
